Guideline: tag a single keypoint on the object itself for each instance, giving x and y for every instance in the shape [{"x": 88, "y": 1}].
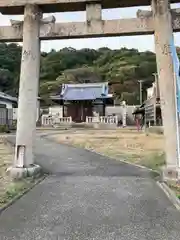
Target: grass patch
[
  {"x": 121, "y": 144},
  {"x": 9, "y": 189},
  {"x": 175, "y": 187},
  {"x": 154, "y": 161},
  {"x": 4, "y": 129},
  {"x": 17, "y": 188}
]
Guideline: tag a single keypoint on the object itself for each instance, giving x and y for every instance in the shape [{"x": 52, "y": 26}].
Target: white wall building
[{"x": 7, "y": 101}]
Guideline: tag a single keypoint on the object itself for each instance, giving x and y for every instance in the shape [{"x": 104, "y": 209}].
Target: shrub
[{"x": 4, "y": 129}]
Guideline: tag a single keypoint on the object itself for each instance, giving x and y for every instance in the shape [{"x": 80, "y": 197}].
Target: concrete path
[{"x": 90, "y": 197}]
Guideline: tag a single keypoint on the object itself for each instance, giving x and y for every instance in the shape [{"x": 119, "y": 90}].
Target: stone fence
[
  {"x": 47, "y": 120},
  {"x": 103, "y": 120}
]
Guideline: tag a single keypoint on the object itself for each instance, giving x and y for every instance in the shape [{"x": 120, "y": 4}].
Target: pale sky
[{"x": 142, "y": 43}]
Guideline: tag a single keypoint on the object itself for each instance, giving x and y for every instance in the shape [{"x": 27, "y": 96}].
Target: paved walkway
[{"x": 89, "y": 197}]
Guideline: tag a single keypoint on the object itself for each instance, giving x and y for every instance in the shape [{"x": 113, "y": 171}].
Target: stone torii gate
[{"x": 160, "y": 21}]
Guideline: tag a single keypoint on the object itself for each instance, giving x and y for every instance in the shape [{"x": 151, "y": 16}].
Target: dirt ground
[{"x": 124, "y": 144}]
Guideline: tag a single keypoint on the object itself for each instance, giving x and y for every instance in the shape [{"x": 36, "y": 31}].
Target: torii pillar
[
  {"x": 163, "y": 36},
  {"x": 27, "y": 106}
]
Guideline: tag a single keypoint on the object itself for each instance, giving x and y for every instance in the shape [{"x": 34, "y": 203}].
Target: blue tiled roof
[{"x": 85, "y": 91}]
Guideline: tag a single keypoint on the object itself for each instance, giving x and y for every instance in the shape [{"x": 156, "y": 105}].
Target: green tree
[{"x": 123, "y": 68}]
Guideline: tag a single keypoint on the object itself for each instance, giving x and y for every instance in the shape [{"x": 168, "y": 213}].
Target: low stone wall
[
  {"x": 92, "y": 126},
  {"x": 79, "y": 125}
]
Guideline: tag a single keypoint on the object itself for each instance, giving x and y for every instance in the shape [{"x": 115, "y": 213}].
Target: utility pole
[
  {"x": 156, "y": 83},
  {"x": 140, "y": 90},
  {"x": 156, "y": 96},
  {"x": 124, "y": 113}
]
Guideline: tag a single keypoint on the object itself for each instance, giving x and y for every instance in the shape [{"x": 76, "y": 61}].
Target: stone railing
[
  {"x": 102, "y": 119},
  {"x": 109, "y": 119},
  {"x": 47, "y": 120},
  {"x": 89, "y": 119},
  {"x": 92, "y": 119}
]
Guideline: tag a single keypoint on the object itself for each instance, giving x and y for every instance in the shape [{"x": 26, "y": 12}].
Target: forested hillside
[{"x": 122, "y": 67}]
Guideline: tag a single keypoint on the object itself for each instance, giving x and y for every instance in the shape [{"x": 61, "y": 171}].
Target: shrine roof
[
  {"x": 7, "y": 97},
  {"x": 85, "y": 91},
  {"x": 50, "y": 6}
]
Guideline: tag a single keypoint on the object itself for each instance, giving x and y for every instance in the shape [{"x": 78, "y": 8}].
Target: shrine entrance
[{"x": 161, "y": 22}]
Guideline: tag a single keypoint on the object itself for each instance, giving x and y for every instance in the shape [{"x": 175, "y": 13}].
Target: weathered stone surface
[
  {"x": 11, "y": 33},
  {"x": 144, "y": 14},
  {"x": 28, "y": 89},
  {"x": 49, "y": 6},
  {"x": 15, "y": 23},
  {"x": 93, "y": 12},
  {"x": 50, "y": 30},
  {"x": 16, "y": 6},
  {"x": 19, "y": 173},
  {"x": 171, "y": 174},
  {"x": 166, "y": 79},
  {"x": 83, "y": 29},
  {"x": 50, "y": 19}
]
